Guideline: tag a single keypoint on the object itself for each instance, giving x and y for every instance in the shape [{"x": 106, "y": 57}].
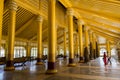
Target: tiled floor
[{"x": 94, "y": 70}]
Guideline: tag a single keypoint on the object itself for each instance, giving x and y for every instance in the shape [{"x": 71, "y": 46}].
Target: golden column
[
  {"x": 94, "y": 45},
  {"x": 91, "y": 45},
  {"x": 76, "y": 46},
  {"x": 97, "y": 50},
  {"x": 39, "y": 41},
  {"x": 1, "y": 18},
  {"x": 80, "y": 30},
  {"x": 28, "y": 50},
  {"x": 43, "y": 50},
  {"x": 65, "y": 55},
  {"x": 51, "y": 37},
  {"x": 59, "y": 49},
  {"x": 70, "y": 34},
  {"x": 86, "y": 54},
  {"x": 56, "y": 50},
  {"x": 108, "y": 48},
  {"x": 11, "y": 35}
]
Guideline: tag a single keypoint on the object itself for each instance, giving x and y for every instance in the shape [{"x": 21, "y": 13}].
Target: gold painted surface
[{"x": 103, "y": 14}]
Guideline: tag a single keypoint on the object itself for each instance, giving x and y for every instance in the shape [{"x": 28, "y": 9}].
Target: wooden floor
[{"x": 94, "y": 70}]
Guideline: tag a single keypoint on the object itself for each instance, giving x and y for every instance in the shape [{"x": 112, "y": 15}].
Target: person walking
[
  {"x": 105, "y": 59},
  {"x": 109, "y": 60}
]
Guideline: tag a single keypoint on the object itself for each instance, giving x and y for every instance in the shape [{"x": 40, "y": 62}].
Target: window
[
  {"x": 45, "y": 52},
  {"x": 113, "y": 51},
  {"x": 2, "y": 52},
  {"x": 102, "y": 50},
  {"x": 61, "y": 51},
  {"x": 19, "y": 52},
  {"x": 34, "y": 52}
]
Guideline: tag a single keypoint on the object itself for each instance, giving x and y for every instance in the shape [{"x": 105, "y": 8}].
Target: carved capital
[
  {"x": 12, "y": 5},
  {"x": 39, "y": 18},
  {"x": 64, "y": 30},
  {"x": 86, "y": 28},
  {"x": 80, "y": 22},
  {"x": 90, "y": 31},
  {"x": 57, "y": 26},
  {"x": 69, "y": 11}
]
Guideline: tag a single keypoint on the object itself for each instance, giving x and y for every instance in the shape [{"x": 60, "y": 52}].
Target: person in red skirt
[{"x": 105, "y": 59}]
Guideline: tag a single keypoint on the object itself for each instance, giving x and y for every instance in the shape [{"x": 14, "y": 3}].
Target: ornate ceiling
[{"x": 101, "y": 16}]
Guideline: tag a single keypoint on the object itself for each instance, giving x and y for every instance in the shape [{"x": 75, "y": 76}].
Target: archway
[{"x": 102, "y": 50}]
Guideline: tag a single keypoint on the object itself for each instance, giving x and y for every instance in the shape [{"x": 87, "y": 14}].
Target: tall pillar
[
  {"x": 65, "y": 55},
  {"x": 94, "y": 48},
  {"x": 86, "y": 54},
  {"x": 108, "y": 48},
  {"x": 6, "y": 47},
  {"x": 11, "y": 35},
  {"x": 118, "y": 53},
  {"x": 1, "y": 18},
  {"x": 56, "y": 50},
  {"x": 97, "y": 50},
  {"x": 28, "y": 50},
  {"x": 39, "y": 41},
  {"x": 43, "y": 51},
  {"x": 51, "y": 37},
  {"x": 91, "y": 45},
  {"x": 80, "y": 30},
  {"x": 76, "y": 46},
  {"x": 59, "y": 49},
  {"x": 70, "y": 34}
]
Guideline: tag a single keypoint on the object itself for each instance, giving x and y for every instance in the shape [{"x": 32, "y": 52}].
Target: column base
[
  {"x": 9, "y": 66},
  {"x": 39, "y": 61},
  {"x": 81, "y": 60},
  {"x": 65, "y": 57},
  {"x": 91, "y": 58},
  {"x": 94, "y": 53},
  {"x": 12, "y": 68},
  {"x": 71, "y": 65},
  {"x": 51, "y": 68},
  {"x": 91, "y": 51},
  {"x": 86, "y": 55},
  {"x": 54, "y": 71},
  {"x": 77, "y": 55}
]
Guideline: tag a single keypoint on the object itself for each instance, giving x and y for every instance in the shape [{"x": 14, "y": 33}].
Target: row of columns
[
  {"x": 11, "y": 36},
  {"x": 51, "y": 37}
]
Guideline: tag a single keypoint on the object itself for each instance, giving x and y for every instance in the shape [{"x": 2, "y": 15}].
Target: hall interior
[{"x": 50, "y": 33}]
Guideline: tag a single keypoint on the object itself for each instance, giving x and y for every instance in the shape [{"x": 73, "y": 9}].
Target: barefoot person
[{"x": 105, "y": 59}]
